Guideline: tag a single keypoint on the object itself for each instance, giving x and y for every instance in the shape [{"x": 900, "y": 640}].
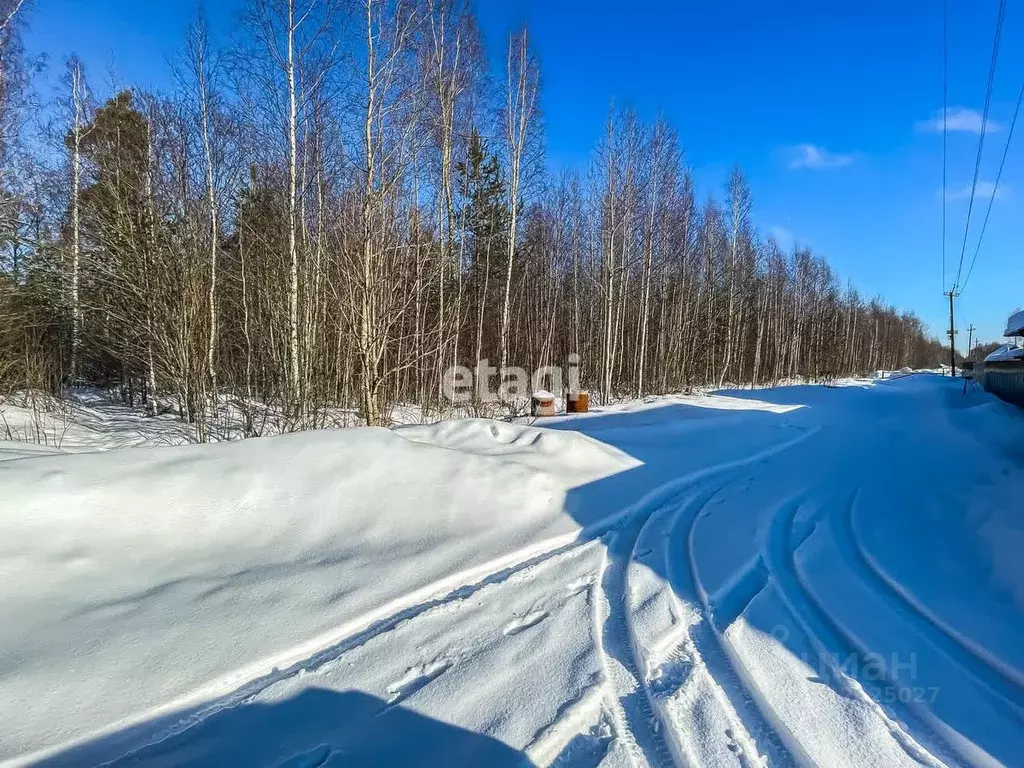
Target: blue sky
[{"x": 823, "y": 104}]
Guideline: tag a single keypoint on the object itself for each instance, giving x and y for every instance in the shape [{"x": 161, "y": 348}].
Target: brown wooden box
[{"x": 577, "y": 402}]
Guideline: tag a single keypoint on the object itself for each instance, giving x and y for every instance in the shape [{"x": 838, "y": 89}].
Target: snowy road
[{"x": 800, "y": 576}]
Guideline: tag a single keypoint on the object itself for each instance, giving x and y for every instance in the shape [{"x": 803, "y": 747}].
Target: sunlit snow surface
[{"x": 805, "y": 575}]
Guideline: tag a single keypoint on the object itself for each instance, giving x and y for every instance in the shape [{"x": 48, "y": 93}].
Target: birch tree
[
  {"x": 520, "y": 111},
  {"x": 298, "y": 36},
  {"x": 738, "y": 200},
  {"x": 79, "y": 94},
  {"x": 204, "y": 70}
]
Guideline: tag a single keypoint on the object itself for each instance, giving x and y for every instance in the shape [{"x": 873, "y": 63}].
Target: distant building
[{"x": 1002, "y": 372}]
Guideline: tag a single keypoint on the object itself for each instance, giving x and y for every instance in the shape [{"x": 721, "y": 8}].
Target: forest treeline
[{"x": 350, "y": 197}]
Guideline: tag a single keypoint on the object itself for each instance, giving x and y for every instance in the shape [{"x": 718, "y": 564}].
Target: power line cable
[
  {"x": 981, "y": 138},
  {"x": 945, "y": 116},
  {"x": 995, "y": 188}
]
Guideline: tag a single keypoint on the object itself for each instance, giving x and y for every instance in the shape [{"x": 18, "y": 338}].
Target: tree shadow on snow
[
  {"x": 675, "y": 445},
  {"x": 317, "y": 727}
]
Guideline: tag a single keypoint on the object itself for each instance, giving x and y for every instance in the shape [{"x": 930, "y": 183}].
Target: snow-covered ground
[
  {"x": 801, "y": 576},
  {"x": 85, "y": 421}
]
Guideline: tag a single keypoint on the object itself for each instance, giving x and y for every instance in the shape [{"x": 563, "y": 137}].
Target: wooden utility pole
[
  {"x": 952, "y": 336},
  {"x": 970, "y": 335}
]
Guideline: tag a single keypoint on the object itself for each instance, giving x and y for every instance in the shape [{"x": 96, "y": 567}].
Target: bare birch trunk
[
  {"x": 367, "y": 351},
  {"x": 645, "y": 300},
  {"x": 77, "y": 96},
  {"x": 522, "y": 95},
  {"x": 200, "y": 54},
  {"x": 293, "y": 251}
]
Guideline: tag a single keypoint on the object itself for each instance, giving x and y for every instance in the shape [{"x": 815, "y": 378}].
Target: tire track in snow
[
  {"x": 736, "y": 693},
  {"x": 629, "y": 521},
  {"x": 691, "y": 703},
  {"x": 752, "y": 732},
  {"x": 634, "y": 720},
  {"x": 831, "y": 642},
  {"x": 1002, "y": 680},
  {"x": 615, "y": 630}
]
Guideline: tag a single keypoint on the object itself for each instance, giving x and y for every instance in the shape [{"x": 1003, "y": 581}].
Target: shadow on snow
[{"x": 317, "y": 727}]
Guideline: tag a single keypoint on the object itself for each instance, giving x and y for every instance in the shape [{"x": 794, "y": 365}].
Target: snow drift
[{"x": 141, "y": 582}]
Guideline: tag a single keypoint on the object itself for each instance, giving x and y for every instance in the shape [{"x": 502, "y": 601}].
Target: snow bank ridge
[{"x": 226, "y": 561}]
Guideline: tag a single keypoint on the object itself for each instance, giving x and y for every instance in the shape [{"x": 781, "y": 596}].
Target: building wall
[{"x": 1005, "y": 381}]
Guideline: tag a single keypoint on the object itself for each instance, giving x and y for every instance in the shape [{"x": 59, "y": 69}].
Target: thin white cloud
[
  {"x": 816, "y": 158},
  {"x": 983, "y": 191},
  {"x": 960, "y": 120},
  {"x": 783, "y": 237}
]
